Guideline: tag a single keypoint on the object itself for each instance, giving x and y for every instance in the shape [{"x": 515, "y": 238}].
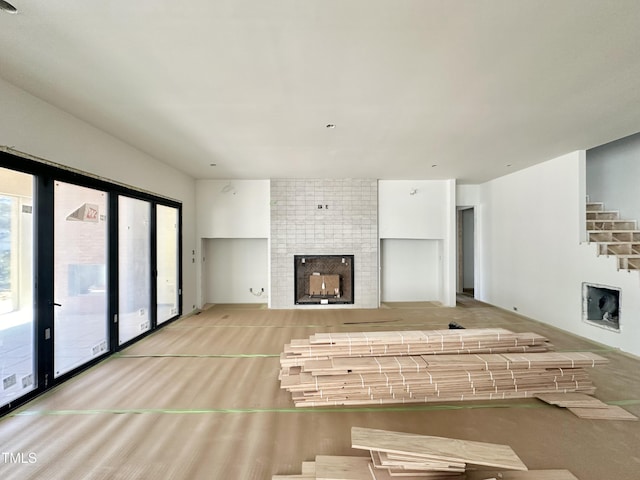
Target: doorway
[{"x": 466, "y": 251}]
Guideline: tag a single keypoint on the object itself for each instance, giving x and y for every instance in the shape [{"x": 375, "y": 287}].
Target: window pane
[
  {"x": 134, "y": 259},
  {"x": 17, "y": 366},
  {"x": 80, "y": 287},
  {"x": 167, "y": 247}
]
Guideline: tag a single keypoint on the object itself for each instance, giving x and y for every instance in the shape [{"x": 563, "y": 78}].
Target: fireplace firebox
[
  {"x": 323, "y": 279},
  {"x": 601, "y": 305}
]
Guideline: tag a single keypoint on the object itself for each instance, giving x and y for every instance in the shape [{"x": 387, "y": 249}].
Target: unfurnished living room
[{"x": 329, "y": 240}]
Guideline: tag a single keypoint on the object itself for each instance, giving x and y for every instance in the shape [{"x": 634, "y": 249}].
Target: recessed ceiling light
[
  {"x": 7, "y": 7},
  {"x": 508, "y": 164},
  {"x": 213, "y": 164},
  {"x": 434, "y": 165},
  {"x": 330, "y": 125}
]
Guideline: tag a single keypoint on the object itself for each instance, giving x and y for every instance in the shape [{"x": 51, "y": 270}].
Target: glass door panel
[
  {"x": 134, "y": 271},
  {"x": 167, "y": 262},
  {"x": 17, "y": 358},
  {"x": 80, "y": 273}
]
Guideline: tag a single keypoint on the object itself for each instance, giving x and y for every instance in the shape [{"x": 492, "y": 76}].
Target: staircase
[{"x": 614, "y": 236}]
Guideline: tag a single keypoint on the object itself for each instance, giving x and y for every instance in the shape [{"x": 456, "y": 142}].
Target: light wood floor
[{"x": 200, "y": 399}]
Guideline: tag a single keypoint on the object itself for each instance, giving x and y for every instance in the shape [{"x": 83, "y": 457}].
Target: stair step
[
  {"x": 611, "y": 225},
  {"x": 615, "y": 235},
  {"x": 629, "y": 262},
  {"x": 618, "y": 248},
  {"x": 603, "y": 215}
]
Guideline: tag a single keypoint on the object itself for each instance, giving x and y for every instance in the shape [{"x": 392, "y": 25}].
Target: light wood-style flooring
[{"x": 200, "y": 400}]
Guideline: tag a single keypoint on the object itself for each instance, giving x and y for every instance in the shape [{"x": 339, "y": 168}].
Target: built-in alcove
[
  {"x": 601, "y": 306},
  {"x": 323, "y": 279}
]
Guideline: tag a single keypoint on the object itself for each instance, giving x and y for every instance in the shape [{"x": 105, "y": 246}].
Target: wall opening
[
  {"x": 601, "y": 306},
  {"x": 466, "y": 254},
  {"x": 323, "y": 279},
  {"x": 411, "y": 270},
  {"x": 235, "y": 270}
]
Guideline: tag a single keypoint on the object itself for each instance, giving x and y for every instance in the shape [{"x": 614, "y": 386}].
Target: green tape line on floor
[
  {"x": 414, "y": 408},
  {"x": 187, "y": 355}
]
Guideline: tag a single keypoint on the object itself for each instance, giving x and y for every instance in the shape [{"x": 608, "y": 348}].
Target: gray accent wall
[{"x": 613, "y": 176}]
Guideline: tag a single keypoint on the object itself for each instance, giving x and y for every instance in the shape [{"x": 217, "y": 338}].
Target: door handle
[{"x": 56, "y": 304}]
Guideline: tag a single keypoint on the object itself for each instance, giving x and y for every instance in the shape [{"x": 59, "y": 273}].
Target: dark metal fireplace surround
[{"x": 323, "y": 279}]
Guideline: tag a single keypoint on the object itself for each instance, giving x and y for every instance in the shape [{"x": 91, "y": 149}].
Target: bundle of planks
[
  {"x": 425, "y": 366},
  {"x": 395, "y": 455}
]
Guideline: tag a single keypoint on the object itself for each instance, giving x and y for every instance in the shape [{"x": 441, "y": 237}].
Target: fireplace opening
[
  {"x": 601, "y": 306},
  {"x": 323, "y": 279}
]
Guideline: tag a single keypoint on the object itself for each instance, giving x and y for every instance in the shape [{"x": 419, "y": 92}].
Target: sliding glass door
[
  {"x": 167, "y": 247},
  {"x": 86, "y": 267},
  {"x": 17, "y": 350},
  {"x": 80, "y": 276},
  {"x": 134, "y": 268}
]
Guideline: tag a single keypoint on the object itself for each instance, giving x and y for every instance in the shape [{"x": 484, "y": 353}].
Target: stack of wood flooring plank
[
  {"x": 404, "y": 456},
  {"x": 425, "y": 366}
]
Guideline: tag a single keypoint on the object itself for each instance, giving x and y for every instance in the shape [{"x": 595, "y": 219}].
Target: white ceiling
[{"x": 470, "y": 86}]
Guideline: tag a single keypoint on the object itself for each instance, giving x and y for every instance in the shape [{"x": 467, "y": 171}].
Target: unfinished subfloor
[{"x": 200, "y": 399}]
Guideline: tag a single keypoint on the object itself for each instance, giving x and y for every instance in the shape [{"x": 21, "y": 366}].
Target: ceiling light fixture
[{"x": 7, "y": 7}]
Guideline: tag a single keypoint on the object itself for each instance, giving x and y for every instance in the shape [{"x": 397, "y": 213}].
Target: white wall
[
  {"x": 467, "y": 195},
  {"x": 32, "y": 126},
  {"x": 421, "y": 215},
  {"x": 422, "y": 209},
  {"x": 229, "y": 209},
  {"x": 411, "y": 270},
  {"x": 233, "y": 208},
  {"x": 234, "y": 265},
  {"x": 532, "y": 256}
]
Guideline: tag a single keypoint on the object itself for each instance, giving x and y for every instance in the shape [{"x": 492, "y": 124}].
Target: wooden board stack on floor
[
  {"x": 323, "y": 346},
  {"x": 405, "y": 456},
  {"x": 426, "y": 366}
]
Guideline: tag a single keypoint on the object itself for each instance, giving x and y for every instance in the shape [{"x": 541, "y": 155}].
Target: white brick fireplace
[{"x": 324, "y": 217}]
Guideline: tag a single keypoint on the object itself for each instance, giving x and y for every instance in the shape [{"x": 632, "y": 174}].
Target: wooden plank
[
  {"x": 377, "y": 474},
  {"x": 330, "y": 467},
  {"x": 404, "y": 469},
  {"x": 293, "y": 477},
  {"x": 612, "y": 412},
  {"x": 390, "y": 460},
  {"x": 554, "y": 359},
  {"x": 469, "y": 452},
  {"x": 309, "y": 468},
  {"x": 528, "y": 475},
  {"x": 571, "y": 399}
]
